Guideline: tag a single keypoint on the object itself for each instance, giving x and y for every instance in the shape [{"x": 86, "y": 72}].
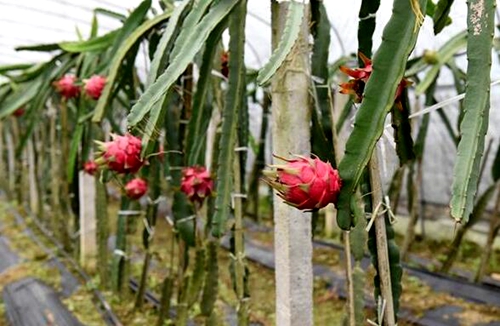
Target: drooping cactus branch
[
  {"x": 480, "y": 25},
  {"x": 389, "y": 63}
]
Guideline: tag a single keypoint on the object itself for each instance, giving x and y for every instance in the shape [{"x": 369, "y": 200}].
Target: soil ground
[{"x": 329, "y": 309}]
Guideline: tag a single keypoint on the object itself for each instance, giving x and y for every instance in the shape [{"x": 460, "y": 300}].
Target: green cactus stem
[
  {"x": 240, "y": 271},
  {"x": 210, "y": 290}
]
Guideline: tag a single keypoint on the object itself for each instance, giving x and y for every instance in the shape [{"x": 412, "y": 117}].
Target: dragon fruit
[
  {"x": 67, "y": 87},
  {"x": 122, "y": 154},
  {"x": 94, "y": 86},
  {"x": 196, "y": 183},
  {"x": 136, "y": 188},
  {"x": 19, "y": 112},
  {"x": 224, "y": 64},
  {"x": 305, "y": 183},
  {"x": 90, "y": 167}
]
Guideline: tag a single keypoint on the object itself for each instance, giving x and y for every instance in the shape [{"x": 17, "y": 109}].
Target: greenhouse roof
[{"x": 44, "y": 21}]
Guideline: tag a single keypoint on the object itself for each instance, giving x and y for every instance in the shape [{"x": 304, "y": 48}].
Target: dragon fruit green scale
[{"x": 305, "y": 183}]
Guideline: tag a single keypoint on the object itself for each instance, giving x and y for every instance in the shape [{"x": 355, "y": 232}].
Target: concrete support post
[
  {"x": 11, "y": 163},
  {"x": 291, "y": 134},
  {"x": 32, "y": 180},
  {"x": 88, "y": 236}
]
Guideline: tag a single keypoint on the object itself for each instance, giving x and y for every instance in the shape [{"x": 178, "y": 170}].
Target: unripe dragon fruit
[
  {"x": 136, "y": 188},
  {"x": 305, "y": 183},
  {"x": 66, "y": 86},
  {"x": 94, "y": 86},
  {"x": 90, "y": 167},
  {"x": 122, "y": 154},
  {"x": 196, "y": 183}
]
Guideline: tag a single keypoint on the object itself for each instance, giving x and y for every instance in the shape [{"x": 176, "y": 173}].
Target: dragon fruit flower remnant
[
  {"x": 356, "y": 86},
  {"x": 94, "y": 86},
  {"x": 122, "y": 154},
  {"x": 67, "y": 87},
  {"x": 136, "y": 188},
  {"x": 305, "y": 183},
  {"x": 196, "y": 183}
]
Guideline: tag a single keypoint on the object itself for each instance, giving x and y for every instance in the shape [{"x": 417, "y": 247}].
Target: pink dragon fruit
[
  {"x": 66, "y": 86},
  {"x": 94, "y": 86},
  {"x": 90, "y": 167},
  {"x": 122, "y": 154},
  {"x": 196, "y": 183},
  {"x": 305, "y": 183},
  {"x": 136, "y": 188}
]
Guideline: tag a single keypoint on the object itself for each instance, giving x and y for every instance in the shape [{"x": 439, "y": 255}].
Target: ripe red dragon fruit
[
  {"x": 19, "y": 112},
  {"x": 196, "y": 183},
  {"x": 122, "y": 154},
  {"x": 305, "y": 183},
  {"x": 136, "y": 188},
  {"x": 224, "y": 64},
  {"x": 90, "y": 167},
  {"x": 66, "y": 86},
  {"x": 94, "y": 86}
]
